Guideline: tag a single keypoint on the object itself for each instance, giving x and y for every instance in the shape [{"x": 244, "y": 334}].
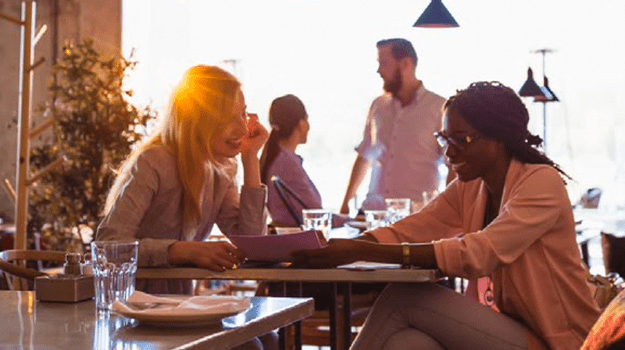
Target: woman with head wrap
[{"x": 506, "y": 217}]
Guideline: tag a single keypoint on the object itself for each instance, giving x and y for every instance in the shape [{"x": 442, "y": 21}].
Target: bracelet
[{"x": 405, "y": 249}]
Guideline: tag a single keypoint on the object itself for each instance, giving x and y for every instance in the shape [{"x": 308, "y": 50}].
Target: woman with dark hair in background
[
  {"x": 289, "y": 129},
  {"x": 506, "y": 217}
]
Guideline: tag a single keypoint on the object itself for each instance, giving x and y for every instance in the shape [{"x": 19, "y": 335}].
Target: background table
[
  {"x": 29, "y": 324},
  {"x": 591, "y": 223}
]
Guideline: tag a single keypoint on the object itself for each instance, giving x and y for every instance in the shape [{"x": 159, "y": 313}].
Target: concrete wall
[{"x": 66, "y": 20}]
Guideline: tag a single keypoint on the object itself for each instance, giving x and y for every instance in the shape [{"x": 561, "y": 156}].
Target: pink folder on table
[{"x": 275, "y": 248}]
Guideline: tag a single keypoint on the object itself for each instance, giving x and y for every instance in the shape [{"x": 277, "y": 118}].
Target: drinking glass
[
  {"x": 375, "y": 219},
  {"x": 397, "y": 208},
  {"x": 114, "y": 271},
  {"x": 426, "y": 197},
  {"x": 317, "y": 219}
]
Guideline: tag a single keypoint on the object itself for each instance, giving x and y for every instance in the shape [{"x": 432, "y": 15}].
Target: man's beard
[{"x": 393, "y": 85}]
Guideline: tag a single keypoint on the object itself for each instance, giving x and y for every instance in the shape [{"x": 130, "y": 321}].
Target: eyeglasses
[{"x": 461, "y": 142}]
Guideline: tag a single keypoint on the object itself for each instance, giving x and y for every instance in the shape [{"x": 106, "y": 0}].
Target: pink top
[{"x": 529, "y": 251}]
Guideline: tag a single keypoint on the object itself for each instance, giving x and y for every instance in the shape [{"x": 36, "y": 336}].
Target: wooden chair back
[{"x": 13, "y": 265}]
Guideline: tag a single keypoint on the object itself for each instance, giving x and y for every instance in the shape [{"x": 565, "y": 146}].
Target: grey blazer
[{"x": 150, "y": 207}]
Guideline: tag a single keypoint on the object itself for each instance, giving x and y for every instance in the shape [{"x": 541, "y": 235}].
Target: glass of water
[
  {"x": 376, "y": 218},
  {"x": 426, "y": 197},
  {"x": 114, "y": 271},
  {"x": 397, "y": 208},
  {"x": 317, "y": 219}
]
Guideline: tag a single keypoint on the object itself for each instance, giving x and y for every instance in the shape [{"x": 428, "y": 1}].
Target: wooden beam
[{"x": 23, "y": 126}]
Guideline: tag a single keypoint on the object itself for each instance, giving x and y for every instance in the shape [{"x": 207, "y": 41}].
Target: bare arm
[
  {"x": 346, "y": 251},
  {"x": 359, "y": 171}
]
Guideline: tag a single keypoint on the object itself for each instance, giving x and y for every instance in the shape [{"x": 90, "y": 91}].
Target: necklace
[{"x": 489, "y": 296}]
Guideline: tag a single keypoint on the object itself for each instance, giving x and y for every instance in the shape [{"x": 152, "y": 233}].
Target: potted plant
[{"x": 94, "y": 128}]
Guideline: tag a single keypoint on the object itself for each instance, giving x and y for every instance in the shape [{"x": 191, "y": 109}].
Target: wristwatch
[{"x": 405, "y": 249}]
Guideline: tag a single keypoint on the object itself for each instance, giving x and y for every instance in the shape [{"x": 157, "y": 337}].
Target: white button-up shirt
[{"x": 399, "y": 143}]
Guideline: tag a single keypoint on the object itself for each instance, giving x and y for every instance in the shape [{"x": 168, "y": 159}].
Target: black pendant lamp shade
[
  {"x": 549, "y": 95},
  {"x": 530, "y": 88},
  {"x": 436, "y": 16}
]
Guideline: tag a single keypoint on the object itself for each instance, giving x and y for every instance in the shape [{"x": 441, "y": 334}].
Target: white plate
[{"x": 167, "y": 315}]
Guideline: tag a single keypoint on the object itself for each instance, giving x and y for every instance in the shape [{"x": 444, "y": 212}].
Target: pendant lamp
[
  {"x": 549, "y": 95},
  {"x": 530, "y": 88},
  {"x": 436, "y": 16}
]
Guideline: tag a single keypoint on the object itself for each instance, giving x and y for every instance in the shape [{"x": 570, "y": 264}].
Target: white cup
[
  {"x": 114, "y": 271},
  {"x": 397, "y": 208},
  {"x": 317, "y": 219},
  {"x": 376, "y": 218}
]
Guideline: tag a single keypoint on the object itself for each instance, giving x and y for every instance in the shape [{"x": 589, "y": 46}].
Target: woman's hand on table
[
  {"x": 216, "y": 256},
  {"x": 336, "y": 252}
]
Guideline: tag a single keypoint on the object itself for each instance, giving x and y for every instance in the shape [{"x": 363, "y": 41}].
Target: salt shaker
[
  {"x": 87, "y": 266},
  {"x": 72, "y": 264}
]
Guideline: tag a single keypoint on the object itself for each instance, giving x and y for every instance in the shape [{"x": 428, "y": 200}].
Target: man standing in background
[{"x": 398, "y": 142}]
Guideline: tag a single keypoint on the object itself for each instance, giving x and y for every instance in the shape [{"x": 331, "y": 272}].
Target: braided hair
[{"x": 496, "y": 111}]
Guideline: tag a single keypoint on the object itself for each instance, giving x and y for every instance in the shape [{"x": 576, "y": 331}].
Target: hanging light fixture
[
  {"x": 530, "y": 88},
  {"x": 436, "y": 16},
  {"x": 549, "y": 95}
]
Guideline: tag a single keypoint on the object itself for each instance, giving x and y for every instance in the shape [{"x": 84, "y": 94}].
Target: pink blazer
[{"x": 529, "y": 251}]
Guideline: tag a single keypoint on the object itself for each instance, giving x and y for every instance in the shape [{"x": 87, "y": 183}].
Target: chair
[
  {"x": 613, "y": 247},
  {"x": 288, "y": 198},
  {"x": 13, "y": 265},
  {"x": 315, "y": 329}
]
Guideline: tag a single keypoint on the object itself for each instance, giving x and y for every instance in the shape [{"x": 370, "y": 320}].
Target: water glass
[
  {"x": 426, "y": 197},
  {"x": 375, "y": 219},
  {"x": 114, "y": 271},
  {"x": 397, "y": 208},
  {"x": 317, "y": 219}
]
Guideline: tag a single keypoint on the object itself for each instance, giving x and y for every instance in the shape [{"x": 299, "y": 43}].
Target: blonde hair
[{"x": 201, "y": 103}]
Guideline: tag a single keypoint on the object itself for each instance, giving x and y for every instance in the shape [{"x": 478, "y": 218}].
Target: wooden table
[
  {"x": 340, "y": 278},
  {"x": 30, "y": 324}
]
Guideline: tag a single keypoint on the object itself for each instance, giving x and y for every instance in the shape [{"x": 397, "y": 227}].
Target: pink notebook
[{"x": 275, "y": 248}]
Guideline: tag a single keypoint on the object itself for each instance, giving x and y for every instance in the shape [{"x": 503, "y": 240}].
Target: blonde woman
[{"x": 175, "y": 187}]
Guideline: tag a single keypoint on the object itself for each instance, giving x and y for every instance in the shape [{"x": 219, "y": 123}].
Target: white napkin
[{"x": 200, "y": 305}]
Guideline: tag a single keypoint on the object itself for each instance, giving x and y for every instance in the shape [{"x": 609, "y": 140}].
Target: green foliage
[{"x": 95, "y": 127}]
